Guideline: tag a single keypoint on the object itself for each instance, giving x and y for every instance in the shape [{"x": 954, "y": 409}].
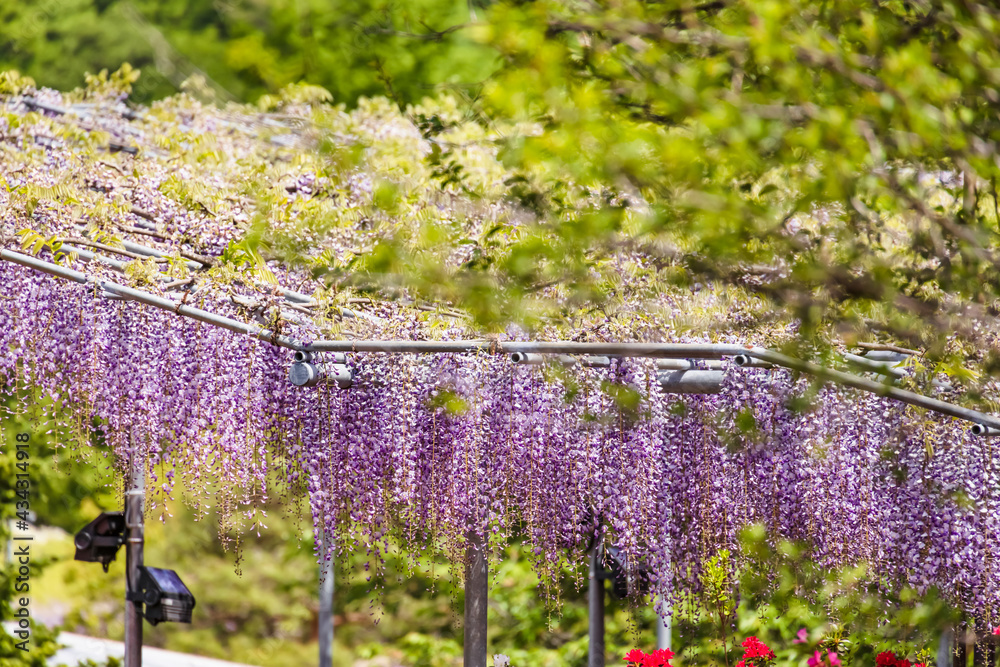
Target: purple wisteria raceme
[{"x": 424, "y": 450}]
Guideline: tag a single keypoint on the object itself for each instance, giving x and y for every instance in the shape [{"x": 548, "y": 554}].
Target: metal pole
[
  {"x": 663, "y": 627},
  {"x": 133, "y": 561},
  {"x": 326, "y": 604},
  {"x": 944, "y": 648},
  {"x": 595, "y": 643},
  {"x": 476, "y": 593}
]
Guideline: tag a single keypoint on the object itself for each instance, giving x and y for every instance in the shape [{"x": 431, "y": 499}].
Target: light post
[
  {"x": 134, "y": 536},
  {"x": 157, "y": 594}
]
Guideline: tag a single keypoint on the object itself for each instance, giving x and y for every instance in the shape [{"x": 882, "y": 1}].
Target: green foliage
[
  {"x": 53, "y": 495},
  {"x": 837, "y": 159},
  {"x": 245, "y": 50},
  {"x": 12, "y": 83},
  {"x": 118, "y": 83}
]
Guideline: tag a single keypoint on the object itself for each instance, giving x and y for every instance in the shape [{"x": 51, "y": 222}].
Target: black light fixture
[
  {"x": 99, "y": 540},
  {"x": 165, "y": 596}
]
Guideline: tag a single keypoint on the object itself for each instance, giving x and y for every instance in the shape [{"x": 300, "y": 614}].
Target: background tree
[
  {"x": 246, "y": 49},
  {"x": 838, "y": 159}
]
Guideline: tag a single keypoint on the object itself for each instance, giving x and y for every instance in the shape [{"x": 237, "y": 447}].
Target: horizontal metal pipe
[
  {"x": 675, "y": 364},
  {"x": 92, "y": 256},
  {"x": 888, "y": 368},
  {"x": 654, "y": 350},
  {"x": 691, "y": 382},
  {"x": 746, "y": 361},
  {"x": 202, "y": 315},
  {"x": 153, "y": 252},
  {"x": 884, "y": 367},
  {"x": 44, "y": 267},
  {"x": 688, "y": 364},
  {"x": 150, "y": 299},
  {"x": 294, "y": 297},
  {"x": 885, "y": 355},
  {"x": 535, "y": 359},
  {"x": 44, "y": 106},
  {"x": 879, "y": 388},
  {"x": 981, "y": 430}
]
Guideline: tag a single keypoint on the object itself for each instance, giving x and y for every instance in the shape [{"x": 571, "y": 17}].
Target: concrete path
[{"x": 81, "y": 647}]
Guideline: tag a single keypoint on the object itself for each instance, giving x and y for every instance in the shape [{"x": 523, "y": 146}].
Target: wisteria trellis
[{"x": 424, "y": 449}]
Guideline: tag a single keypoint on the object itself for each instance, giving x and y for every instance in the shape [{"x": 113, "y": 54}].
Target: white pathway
[{"x": 82, "y": 647}]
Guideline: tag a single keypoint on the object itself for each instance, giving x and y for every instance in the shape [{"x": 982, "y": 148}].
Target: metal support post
[
  {"x": 133, "y": 561},
  {"x": 326, "y": 604},
  {"x": 944, "y": 648},
  {"x": 663, "y": 627},
  {"x": 476, "y": 593},
  {"x": 595, "y": 648}
]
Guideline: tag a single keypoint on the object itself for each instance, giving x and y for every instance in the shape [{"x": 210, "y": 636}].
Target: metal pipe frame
[
  {"x": 325, "y": 629},
  {"x": 691, "y": 382},
  {"x": 476, "y": 602},
  {"x": 151, "y": 300},
  {"x": 595, "y": 602},
  {"x": 649, "y": 350},
  {"x": 134, "y": 543}
]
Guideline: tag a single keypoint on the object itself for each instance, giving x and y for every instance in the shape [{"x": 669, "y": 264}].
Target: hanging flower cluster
[
  {"x": 432, "y": 453},
  {"x": 426, "y": 451}
]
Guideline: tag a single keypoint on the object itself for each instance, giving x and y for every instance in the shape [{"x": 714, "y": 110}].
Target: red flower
[
  {"x": 636, "y": 657},
  {"x": 996, "y": 630},
  {"x": 886, "y": 659},
  {"x": 755, "y": 648},
  {"x": 660, "y": 658}
]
